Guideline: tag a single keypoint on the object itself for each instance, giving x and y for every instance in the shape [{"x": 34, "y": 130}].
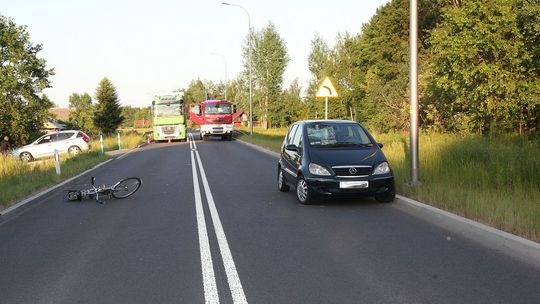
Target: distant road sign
[{"x": 326, "y": 89}]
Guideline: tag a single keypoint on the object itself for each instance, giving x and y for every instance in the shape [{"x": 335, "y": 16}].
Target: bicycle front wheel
[{"x": 126, "y": 187}]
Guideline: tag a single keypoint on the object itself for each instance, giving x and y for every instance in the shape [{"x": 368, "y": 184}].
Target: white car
[{"x": 69, "y": 141}]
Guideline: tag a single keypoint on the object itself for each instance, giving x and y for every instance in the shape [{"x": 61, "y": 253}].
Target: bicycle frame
[{"x": 96, "y": 191}]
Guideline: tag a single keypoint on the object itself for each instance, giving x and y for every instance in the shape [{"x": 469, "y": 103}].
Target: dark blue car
[{"x": 333, "y": 158}]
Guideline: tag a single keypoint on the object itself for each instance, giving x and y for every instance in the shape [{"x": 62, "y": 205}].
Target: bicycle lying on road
[{"x": 122, "y": 189}]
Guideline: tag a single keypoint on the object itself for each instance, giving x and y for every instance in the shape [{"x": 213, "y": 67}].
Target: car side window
[
  {"x": 291, "y": 134},
  {"x": 297, "y": 139},
  {"x": 62, "y": 136},
  {"x": 44, "y": 140}
]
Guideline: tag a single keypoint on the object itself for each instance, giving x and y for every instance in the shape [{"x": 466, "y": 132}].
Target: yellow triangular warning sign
[{"x": 326, "y": 89}]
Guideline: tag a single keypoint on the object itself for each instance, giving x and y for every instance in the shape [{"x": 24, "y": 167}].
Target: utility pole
[{"x": 413, "y": 50}]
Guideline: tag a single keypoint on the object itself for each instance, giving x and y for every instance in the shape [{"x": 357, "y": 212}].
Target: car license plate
[{"x": 354, "y": 185}]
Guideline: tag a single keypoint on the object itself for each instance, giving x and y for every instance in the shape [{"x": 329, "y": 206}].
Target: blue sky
[{"x": 149, "y": 47}]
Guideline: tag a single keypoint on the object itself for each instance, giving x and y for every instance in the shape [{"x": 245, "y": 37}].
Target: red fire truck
[{"x": 214, "y": 117}]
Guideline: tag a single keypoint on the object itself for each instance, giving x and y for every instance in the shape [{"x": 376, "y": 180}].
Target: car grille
[{"x": 351, "y": 171}]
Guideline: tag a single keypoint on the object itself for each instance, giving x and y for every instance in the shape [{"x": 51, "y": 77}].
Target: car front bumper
[{"x": 341, "y": 187}]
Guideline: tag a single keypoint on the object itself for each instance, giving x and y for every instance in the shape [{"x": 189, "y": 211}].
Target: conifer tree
[{"x": 107, "y": 116}]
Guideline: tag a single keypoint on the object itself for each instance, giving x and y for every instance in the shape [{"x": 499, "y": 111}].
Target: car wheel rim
[
  {"x": 74, "y": 150},
  {"x": 301, "y": 190},
  {"x": 280, "y": 178},
  {"x": 25, "y": 157}
]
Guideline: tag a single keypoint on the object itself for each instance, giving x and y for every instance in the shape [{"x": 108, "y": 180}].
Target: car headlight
[
  {"x": 317, "y": 169},
  {"x": 382, "y": 168}
]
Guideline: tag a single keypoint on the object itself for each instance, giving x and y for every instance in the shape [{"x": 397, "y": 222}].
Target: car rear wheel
[
  {"x": 74, "y": 150},
  {"x": 25, "y": 156},
  {"x": 282, "y": 185},
  {"x": 302, "y": 192}
]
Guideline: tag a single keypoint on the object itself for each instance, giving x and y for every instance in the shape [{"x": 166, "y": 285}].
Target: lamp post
[
  {"x": 413, "y": 45},
  {"x": 225, "y": 61},
  {"x": 249, "y": 59}
]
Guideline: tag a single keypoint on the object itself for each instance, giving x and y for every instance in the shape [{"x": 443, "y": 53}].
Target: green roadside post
[
  {"x": 101, "y": 143},
  {"x": 119, "y": 142}
]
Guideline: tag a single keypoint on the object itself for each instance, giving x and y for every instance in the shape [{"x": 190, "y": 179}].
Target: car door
[
  {"x": 296, "y": 156},
  {"x": 43, "y": 146},
  {"x": 292, "y": 157}
]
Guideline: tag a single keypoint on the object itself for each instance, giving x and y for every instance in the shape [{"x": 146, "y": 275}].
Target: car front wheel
[
  {"x": 302, "y": 192},
  {"x": 25, "y": 156},
  {"x": 282, "y": 185}
]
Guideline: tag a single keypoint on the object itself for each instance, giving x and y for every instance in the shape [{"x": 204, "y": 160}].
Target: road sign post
[
  {"x": 326, "y": 107},
  {"x": 326, "y": 89}
]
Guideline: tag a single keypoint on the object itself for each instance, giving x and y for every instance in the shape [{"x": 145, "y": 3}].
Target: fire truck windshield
[{"x": 218, "y": 108}]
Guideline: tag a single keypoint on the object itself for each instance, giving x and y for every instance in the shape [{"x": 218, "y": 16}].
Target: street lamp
[
  {"x": 249, "y": 58},
  {"x": 225, "y": 61},
  {"x": 413, "y": 45}
]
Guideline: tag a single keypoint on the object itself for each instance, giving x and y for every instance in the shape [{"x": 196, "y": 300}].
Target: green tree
[
  {"x": 370, "y": 70},
  {"x": 23, "y": 76},
  {"x": 82, "y": 112},
  {"x": 269, "y": 60},
  {"x": 483, "y": 67},
  {"x": 107, "y": 116},
  {"x": 130, "y": 114},
  {"x": 196, "y": 92},
  {"x": 318, "y": 63},
  {"x": 294, "y": 107},
  {"x": 238, "y": 93}
]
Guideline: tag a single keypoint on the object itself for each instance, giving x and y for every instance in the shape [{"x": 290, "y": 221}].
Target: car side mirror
[
  {"x": 291, "y": 147},
  {"x": 196, "y": 109},
  {"x": 380, "y": 145}
]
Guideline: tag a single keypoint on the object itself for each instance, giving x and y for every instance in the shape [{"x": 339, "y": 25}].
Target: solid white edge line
[
  {"x": 27, "y": 200},
  {"x": 235, "y": 285},
  {"x": 207, "y": 267}
]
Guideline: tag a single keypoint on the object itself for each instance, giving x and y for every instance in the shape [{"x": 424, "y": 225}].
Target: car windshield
[{"x": 337, "y": 135}]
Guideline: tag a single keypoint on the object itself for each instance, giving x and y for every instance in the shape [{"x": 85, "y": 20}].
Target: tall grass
[
  {"x": 270, "y": 139},
  {"x": 494, "y": 181},
  {"x": 19, "y": 179},
  {"x": 128, "y": 140}
]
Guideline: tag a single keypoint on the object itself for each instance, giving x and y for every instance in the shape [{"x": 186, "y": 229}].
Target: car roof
[
  {"x": 331, "y": 121},
  {"x": 62, "y": 131}
]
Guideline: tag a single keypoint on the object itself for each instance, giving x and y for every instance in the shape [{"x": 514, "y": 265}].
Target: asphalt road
[{"x": 229, "y": 235}]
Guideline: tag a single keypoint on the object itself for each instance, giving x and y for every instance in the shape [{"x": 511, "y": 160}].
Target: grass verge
[
  {"x": 493, "y": 181},
  {"x": 20, "y": 179}
]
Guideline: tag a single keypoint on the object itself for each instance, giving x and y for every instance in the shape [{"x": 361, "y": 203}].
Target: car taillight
[{"x": 84, "y": 137}]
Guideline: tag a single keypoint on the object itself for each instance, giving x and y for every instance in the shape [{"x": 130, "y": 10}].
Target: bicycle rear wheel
[
  {"x": 126, "y": 187},
  {"x": 72, "y": 195}
]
